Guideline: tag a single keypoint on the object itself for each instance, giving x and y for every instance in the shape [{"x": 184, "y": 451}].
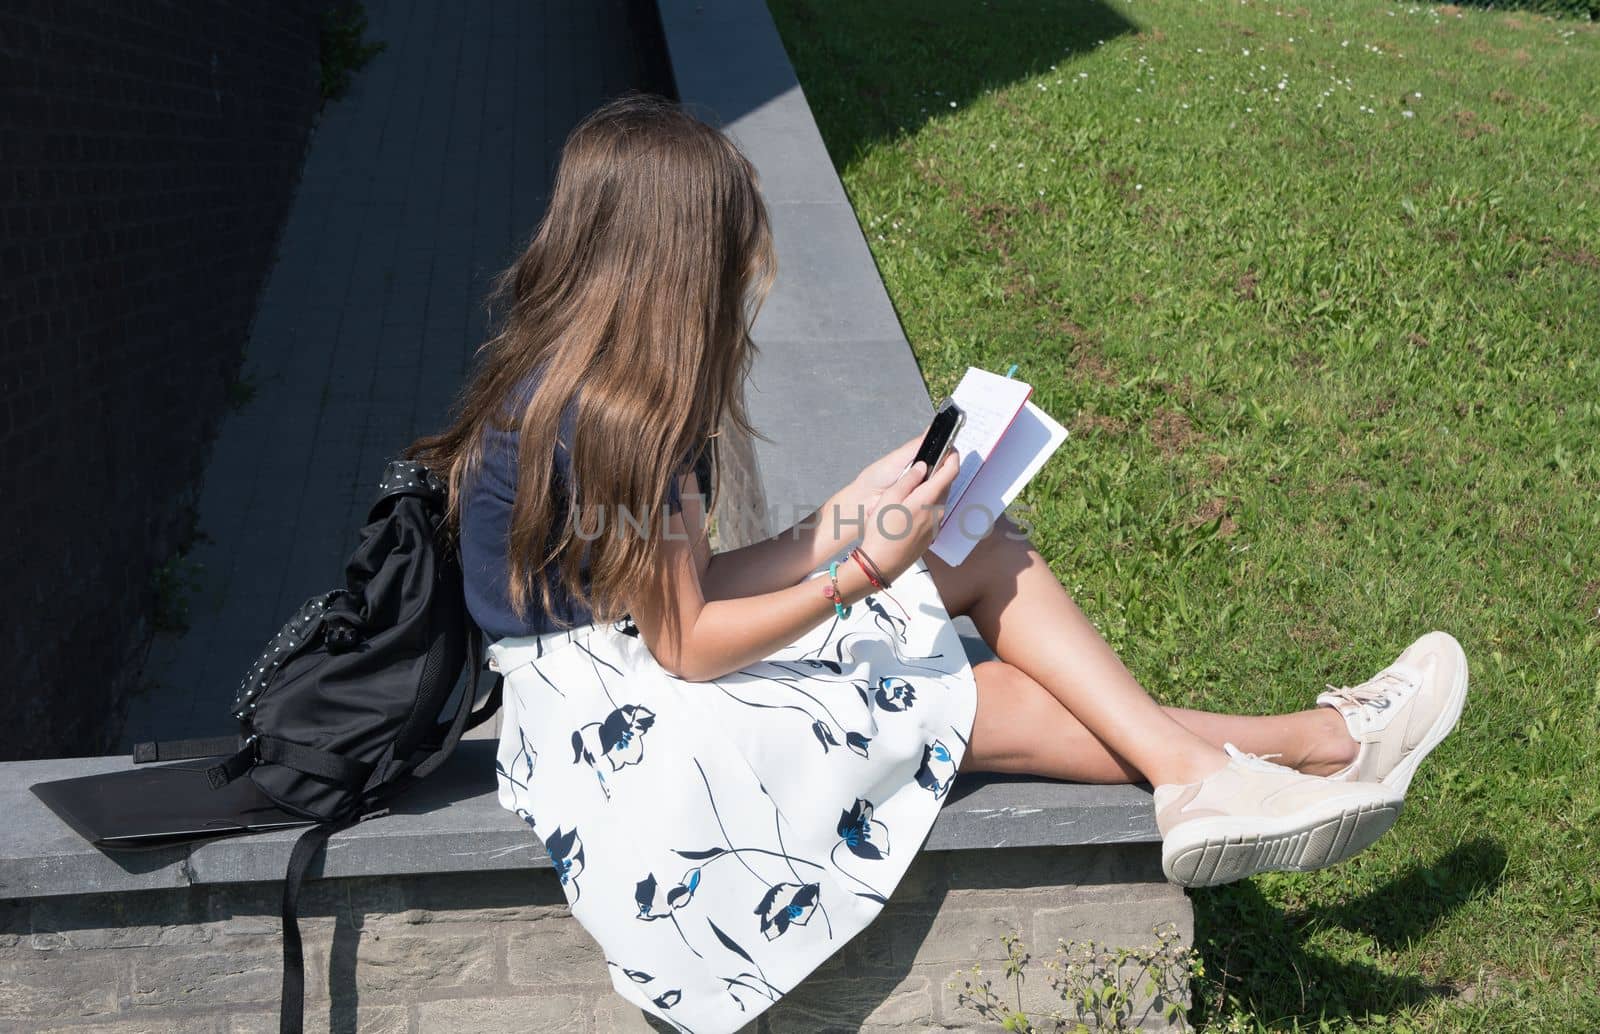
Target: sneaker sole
[
  {"x": 1399, "y": 777},
  {"x": 1223, "y": 853}
]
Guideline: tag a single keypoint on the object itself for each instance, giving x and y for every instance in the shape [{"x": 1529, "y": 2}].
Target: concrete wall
[
  {"x": 500, "y": 951},
  {"x": 148, "y": 151}
]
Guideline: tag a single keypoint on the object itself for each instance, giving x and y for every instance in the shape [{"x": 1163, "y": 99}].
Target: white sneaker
[
  {"x": 1403, "y": 712},
  {"x": 1254, "y": 816}
]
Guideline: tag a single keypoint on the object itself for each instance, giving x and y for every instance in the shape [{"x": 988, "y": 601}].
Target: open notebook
[{"x": 1005, "y": 441}]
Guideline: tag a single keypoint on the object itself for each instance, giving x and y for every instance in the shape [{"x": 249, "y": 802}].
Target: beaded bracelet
[{"x": 831, "y": 591}]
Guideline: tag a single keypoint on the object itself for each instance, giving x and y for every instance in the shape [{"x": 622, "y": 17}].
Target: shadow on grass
[
  {"x": 1256, "y": 956},
  {"x": 871, "y": 71}
]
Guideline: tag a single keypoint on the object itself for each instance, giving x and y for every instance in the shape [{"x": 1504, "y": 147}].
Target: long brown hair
[{"x": 634, "y": 302}]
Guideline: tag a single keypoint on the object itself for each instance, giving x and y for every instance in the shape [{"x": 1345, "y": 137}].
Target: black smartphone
[{"x": 947, "y": 420}]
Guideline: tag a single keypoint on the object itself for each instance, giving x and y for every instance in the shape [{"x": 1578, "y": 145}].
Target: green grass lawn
[{"x": 1317, "y": 289}]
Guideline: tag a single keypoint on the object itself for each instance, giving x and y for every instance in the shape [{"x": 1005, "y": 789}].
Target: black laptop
[{"x": 152, "y": 806}]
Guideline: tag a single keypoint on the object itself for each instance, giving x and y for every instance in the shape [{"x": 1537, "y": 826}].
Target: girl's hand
[
  {"x": 886, "y": 470},
  {"x": 853, "y": 503},
  {"x": 905, "y": 518}
]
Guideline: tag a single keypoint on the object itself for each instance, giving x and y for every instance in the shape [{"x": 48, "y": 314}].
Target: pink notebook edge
[{"x": 951, "y": 505}]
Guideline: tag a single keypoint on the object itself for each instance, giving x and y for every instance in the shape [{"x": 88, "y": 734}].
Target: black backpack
[{"x": 343, "y": 709}]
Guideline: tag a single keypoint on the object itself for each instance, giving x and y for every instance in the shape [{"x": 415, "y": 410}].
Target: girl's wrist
[
  {"x": 852, "y": 584},
  {"x": 828, "y": 524},
  {"x": 873, "y": 572}
]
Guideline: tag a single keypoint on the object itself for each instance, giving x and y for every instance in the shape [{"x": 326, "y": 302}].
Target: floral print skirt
[{"x": 719, "y": 840}]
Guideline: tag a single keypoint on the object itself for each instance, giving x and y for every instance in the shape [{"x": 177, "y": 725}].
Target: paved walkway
[{"x": 418, "y": 186}]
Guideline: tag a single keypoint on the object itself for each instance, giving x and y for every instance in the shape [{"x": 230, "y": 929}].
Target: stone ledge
[{"x": 454, "y": 823}]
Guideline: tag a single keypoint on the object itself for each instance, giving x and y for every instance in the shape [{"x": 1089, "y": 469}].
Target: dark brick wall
[{"x": 148, "y": 154}]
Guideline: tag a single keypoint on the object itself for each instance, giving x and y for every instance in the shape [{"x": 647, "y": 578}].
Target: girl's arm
[
  {"x": 699, "y": 638},
  {"x": 787, "y": 557}
]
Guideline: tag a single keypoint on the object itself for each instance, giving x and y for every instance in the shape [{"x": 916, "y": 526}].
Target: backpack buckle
[{"x": 242, "y": 761}]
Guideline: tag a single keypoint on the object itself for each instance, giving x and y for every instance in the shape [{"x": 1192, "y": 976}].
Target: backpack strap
[
  {"x": 464, "y": 711},
  {"x": 183, "y": 750},
  {"x": 491, "y": 703},
  {"x": 324, "y": 764},
  {"x": 407, "y": 477},
  {"x": 292, "y": 1007}
]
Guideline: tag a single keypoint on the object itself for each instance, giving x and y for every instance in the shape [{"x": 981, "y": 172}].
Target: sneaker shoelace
[
  {"x": 1375, "y": 689},
  {"x": 1258, "y": 762}
]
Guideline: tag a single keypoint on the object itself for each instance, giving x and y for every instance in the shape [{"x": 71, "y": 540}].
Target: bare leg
[
  {"x": 1020, "y": 727},
  {"x": 1028, "y": 619},
  {"x": 1317, "y": 742}
]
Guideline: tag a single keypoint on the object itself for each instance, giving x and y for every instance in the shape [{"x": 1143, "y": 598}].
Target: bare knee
[
  {"x": 1011, "y": 709},
  {"x": 989, "y": 571}
]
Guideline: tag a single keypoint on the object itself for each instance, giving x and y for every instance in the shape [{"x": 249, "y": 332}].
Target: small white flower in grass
[
  {"x": 952, "y": 104},
  {"x": 1409, "y": 114},
  {"x": 1083, "y": 75},
  {"x": 1138, "y": 186},
  {"x": 1246, "y": 51}
]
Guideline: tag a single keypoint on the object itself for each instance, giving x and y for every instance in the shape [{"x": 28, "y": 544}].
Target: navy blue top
[{"x": 485, "y": 535}]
